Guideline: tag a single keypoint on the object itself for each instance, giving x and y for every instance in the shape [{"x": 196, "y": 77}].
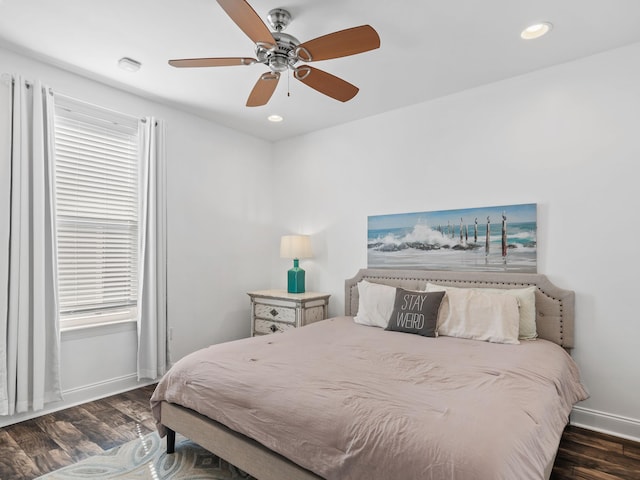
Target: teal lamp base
[{"x": 295, "y": 278}]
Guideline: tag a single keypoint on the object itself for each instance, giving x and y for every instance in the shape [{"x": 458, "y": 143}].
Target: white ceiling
[{"x": 428, "y": 49}]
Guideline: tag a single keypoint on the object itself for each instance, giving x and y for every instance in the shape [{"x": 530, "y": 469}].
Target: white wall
[
  {"x": 566, "y": 138},
  {"x": 219, "y": 227}
]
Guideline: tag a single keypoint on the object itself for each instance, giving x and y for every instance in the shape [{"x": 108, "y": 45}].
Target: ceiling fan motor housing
[{"x": 283, "y": 56}]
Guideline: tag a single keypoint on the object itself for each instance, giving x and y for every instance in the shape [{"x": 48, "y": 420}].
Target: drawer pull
[
  {"x": 273, "y": 328},
  {"x": 274, "y": 312}
]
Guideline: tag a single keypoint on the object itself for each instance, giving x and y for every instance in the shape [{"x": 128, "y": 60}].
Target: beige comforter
[{"x": 348, "y": 401}]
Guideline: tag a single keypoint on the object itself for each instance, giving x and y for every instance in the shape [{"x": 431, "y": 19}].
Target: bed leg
[{"x": 171, "y": 441}]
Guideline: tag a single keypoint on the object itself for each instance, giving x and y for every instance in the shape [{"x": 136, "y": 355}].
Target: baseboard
[
  {"x": 79, "y": 395},
  {"x": 617, "y": 425}
]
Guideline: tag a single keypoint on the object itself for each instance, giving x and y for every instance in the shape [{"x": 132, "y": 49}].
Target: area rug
[{"x": 146, "y": 459}]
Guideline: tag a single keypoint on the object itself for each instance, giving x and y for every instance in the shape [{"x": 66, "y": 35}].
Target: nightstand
[{"x": 277, "y": 311}]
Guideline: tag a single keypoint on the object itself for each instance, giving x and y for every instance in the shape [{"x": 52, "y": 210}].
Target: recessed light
[
  {"x": 129, "y": 64},
  {"x": 536, "y": 30},
  {"x": 275, "y": 118}
]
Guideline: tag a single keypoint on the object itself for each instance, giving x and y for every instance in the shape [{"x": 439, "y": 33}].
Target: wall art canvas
[{"x": 501, "y": 238}]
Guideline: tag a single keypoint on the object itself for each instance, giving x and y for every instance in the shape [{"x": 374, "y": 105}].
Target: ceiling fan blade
[
  {"x": 248, "y": 20},
  {"x": 326, "y": 83},
  {"x": 339, "y": 44},
  {"x": 211, "y": 62},
  {"x": 263, "y": 89}
]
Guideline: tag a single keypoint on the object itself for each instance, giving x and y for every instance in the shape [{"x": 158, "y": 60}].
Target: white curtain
[
  {"x": 29, "y": 334},
  {"x": 153, "y": 354}
]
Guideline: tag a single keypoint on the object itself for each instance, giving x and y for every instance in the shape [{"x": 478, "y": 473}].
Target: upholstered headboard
[{"x": 554, "y": 305}]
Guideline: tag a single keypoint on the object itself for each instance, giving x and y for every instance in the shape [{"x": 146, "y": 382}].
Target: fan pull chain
[{"x": 288, "y": 85}]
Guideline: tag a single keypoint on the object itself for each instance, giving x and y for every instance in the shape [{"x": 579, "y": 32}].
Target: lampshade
[{"x": 295, "y": 246}]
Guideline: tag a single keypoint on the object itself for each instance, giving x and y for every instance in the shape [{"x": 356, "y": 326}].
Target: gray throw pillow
[{"x": 415, "y": 312}]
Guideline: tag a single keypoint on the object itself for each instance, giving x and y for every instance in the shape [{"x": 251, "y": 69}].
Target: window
[{"x": 97, "y": 156}]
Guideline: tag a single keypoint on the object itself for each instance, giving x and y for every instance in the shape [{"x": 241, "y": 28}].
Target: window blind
[{"x": 97, "y": 209}]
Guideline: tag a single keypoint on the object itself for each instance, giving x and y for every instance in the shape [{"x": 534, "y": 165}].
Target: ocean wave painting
[{"x": 501, "y": 238}]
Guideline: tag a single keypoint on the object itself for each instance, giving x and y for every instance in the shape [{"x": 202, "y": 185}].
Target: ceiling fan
[{"x": 281, "y": 52}]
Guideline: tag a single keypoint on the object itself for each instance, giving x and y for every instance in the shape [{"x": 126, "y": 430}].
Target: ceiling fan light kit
[{"x": 282, "y": 52}]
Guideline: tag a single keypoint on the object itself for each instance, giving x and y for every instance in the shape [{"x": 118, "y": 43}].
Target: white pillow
[
  {"x": 477, "y": 315},
  {"x": 375, "y": 304},
  {"x": 526, "y": 301}
]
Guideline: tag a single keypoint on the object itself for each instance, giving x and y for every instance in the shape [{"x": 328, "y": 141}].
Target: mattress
[{"x": 352, "y": 402}]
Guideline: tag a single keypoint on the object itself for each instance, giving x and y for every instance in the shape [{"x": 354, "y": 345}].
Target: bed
[{"x": 340, "y": 400}]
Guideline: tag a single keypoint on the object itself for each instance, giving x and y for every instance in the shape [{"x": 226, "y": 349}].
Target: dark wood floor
[
  {"x": 44, "y": 444},
  {"x": 35, "y": 447},
  {"x": 587, "y": 455}
]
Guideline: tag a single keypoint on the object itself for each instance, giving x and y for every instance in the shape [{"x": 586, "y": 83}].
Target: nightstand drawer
[
  {"x": 264, "y": 327},
  {"x": 274, "y": 312}
]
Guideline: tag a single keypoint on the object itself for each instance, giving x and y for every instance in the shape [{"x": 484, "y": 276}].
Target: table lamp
[{"x": 295, "y": 247}]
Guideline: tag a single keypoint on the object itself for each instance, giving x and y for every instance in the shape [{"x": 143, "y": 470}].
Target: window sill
[{"x": 98, "y": 329}]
